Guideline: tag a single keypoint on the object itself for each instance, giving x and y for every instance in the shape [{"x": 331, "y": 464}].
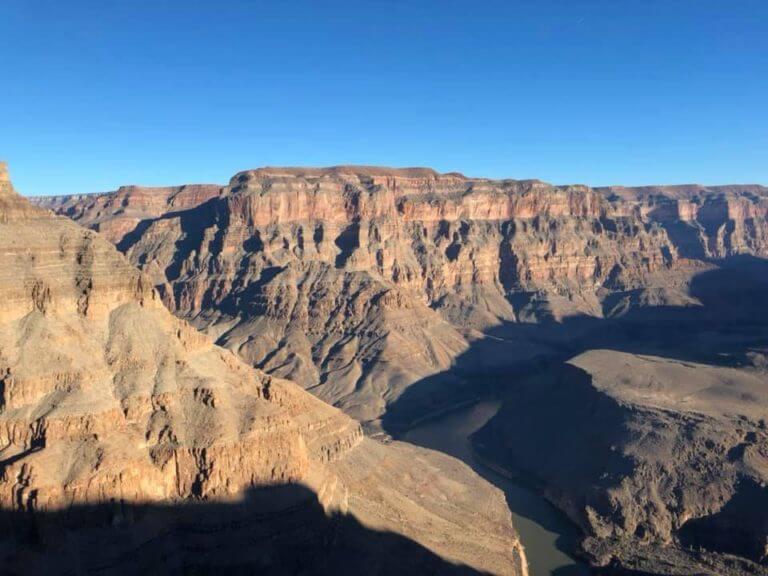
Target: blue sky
[{"x": 95, "y": 94}]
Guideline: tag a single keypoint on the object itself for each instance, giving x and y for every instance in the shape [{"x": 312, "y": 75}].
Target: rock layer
[
  {"x": 357, "y": 282},
  {"x": 657, "y": 454},
  {"x": 116, "y": 214},
  {"x": 107, "y": 400},
  {"x": 401, "y": 292}
]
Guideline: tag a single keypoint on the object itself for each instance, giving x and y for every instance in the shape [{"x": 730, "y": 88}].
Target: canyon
[
  {"x": 359, "y": 281},
  {"x": 621, "y": 328},
  {"x": 131, "y": 443}
]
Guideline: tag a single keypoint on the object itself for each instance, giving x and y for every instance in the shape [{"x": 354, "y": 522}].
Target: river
[{"x": 545, "y": 532}]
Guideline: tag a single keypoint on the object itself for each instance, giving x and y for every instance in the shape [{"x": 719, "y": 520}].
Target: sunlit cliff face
[
  {"x": 109, "y": 403},
  {"x": 358, "y": 281}
]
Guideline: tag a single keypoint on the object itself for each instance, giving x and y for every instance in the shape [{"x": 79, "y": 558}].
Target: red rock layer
[{"x": 358, "y": 281}]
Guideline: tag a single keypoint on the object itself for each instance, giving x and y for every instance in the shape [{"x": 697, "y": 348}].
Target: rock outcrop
[
  {"x": 111, "y": 406},
  {"x": 704, "y": 222},
  {"x": 658, "y": 457}
]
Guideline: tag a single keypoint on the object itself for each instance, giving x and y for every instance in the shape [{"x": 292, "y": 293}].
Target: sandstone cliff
[
  {"x": 709, "y": 222},
  {"x": 357, "y": 282},
  {"x": 106, "y": 399},
  {"x": 116, "y": 214}
]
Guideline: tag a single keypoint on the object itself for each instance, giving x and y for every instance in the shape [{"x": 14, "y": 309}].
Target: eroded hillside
[{"x": 125, "y": 431}]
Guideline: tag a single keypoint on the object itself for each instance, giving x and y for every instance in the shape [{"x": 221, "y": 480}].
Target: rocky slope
[
  {"x": 116, "y": 417},
  {"x": 664, "y": 464}
]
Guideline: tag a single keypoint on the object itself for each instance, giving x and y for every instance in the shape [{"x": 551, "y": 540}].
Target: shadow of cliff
[
  {"x": 731, "y": 322},
  {"x": 193, "y": 224},
  {"x": 735, "y": 528},
  {"x": 561, "y": 409},
  {"x": 278, "y": 530}
]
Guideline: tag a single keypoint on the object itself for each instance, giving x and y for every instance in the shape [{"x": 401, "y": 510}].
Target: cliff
[
  {"x": 110, "y": 404},
  {"x": 664, "y": 465},
  {"x": 357, "y": 282},
  {"x": 620, "y": 325}
]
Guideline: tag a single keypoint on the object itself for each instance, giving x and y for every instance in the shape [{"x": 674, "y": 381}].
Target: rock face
[
  {"x": 117, "y": 411},
  {"x": 658, "y": 458},
  {"x": 620, "y": 325},
  {"x": 358, "y": 281},
  {"x": 116, "y": 214},
  {"x": 711, "y": 222}
]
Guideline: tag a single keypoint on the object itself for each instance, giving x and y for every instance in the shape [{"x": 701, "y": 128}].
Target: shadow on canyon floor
[
  {"x": 277, "y": 530},
  {"x": 731, "y": 321},
  {"x": 732, "y": 529}
]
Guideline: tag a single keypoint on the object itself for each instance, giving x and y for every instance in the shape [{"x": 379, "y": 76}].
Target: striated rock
[
  {"x": 704, "y": 222},
  {"x": 92, "y": 362},
  {"x": 656, "y": 454},
  {"x": 118, "y": 213},
  {"x": 357, "y": 282},
  {"x": 11, "y": 204},
  {"x": 122, "y": 413},
  {"x": 396, "y": 293}
]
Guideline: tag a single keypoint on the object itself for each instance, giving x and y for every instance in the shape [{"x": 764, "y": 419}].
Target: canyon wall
[
  {"x": 621, "y": 325},
  {"x": 118, "y": 420},
  {"x": 357, "y": 282}
]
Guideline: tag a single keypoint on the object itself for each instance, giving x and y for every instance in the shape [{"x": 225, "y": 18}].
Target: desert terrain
[
  {"x": 132, "y": 443},
  {"x": 622, "y": 329}
]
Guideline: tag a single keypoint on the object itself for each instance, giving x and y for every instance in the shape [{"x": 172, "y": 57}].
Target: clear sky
[{"x": 97, "y": 93}]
